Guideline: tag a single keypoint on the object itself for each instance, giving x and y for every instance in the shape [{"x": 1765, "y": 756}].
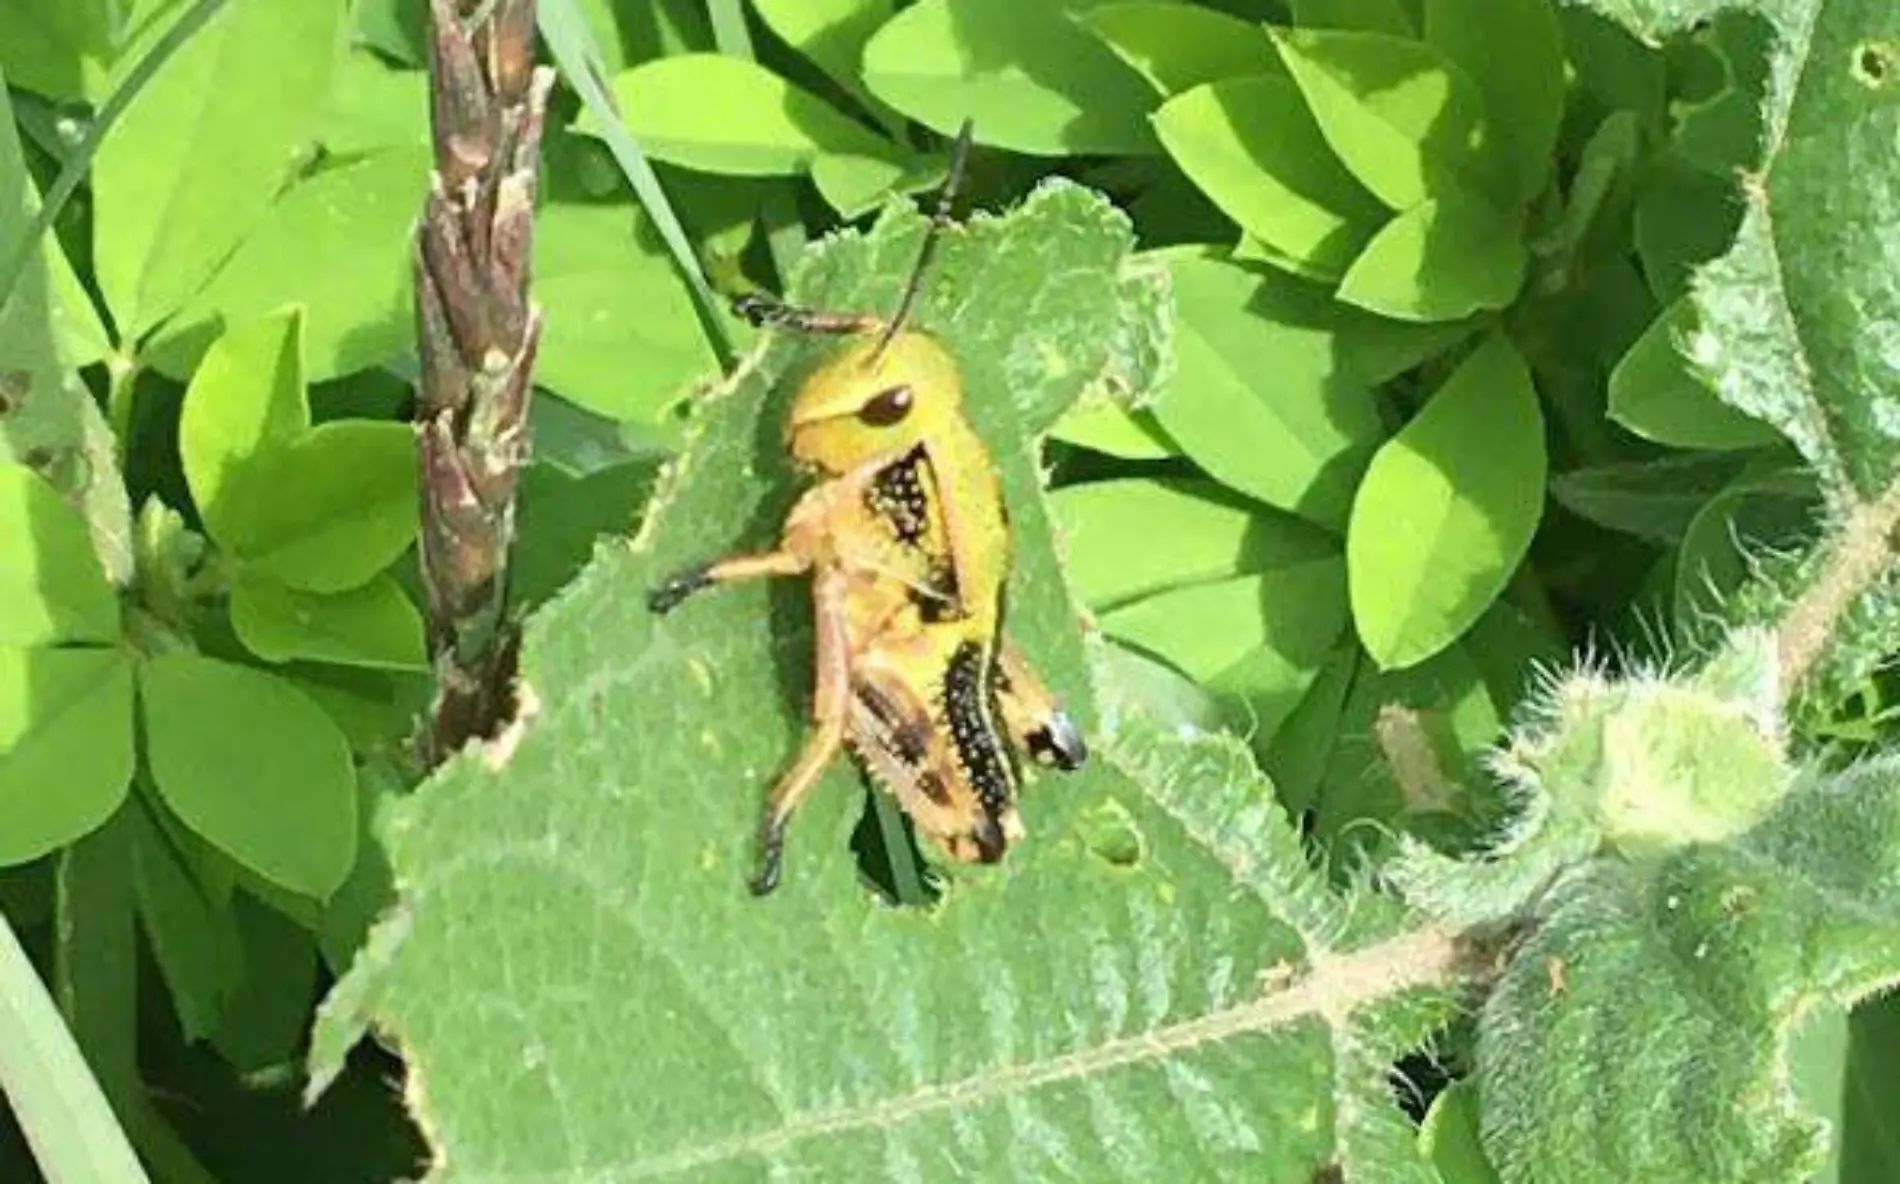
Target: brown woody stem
[{"x": 476, "y": 331}]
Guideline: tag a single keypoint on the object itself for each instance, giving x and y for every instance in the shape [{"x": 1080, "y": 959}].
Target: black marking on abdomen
[{"x": 969, "y": 700}]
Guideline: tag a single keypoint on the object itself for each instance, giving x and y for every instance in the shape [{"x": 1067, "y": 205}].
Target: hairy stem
[
  {"x": 476, "y": 332},
  {"x": 1857, "y": 555}
]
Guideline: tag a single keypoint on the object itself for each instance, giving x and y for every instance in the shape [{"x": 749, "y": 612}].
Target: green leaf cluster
[{"x": 1344, "y": 364}]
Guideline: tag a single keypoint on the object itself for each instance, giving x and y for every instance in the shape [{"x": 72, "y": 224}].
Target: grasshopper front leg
[
  {"x": 1033, "y": 716},
  {"x": 831, "y": 705},
  {"x": 670, "y": 592}
]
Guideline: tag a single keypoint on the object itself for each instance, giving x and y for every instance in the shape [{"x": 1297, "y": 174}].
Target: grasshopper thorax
[{"x": 874, "y": 398}]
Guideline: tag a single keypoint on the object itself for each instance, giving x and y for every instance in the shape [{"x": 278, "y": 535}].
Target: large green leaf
[
  {"x": 1408, "y": 122},
  {"x": 65, "y": 745},
  {"x": 337, "y": 245},
  {"x": 616, "y": 298},
  {"x": 254, "y": 767},
  {"x": 731, "y": 115},
  {"x": 372, "y": 625},
  {"x": 60, "y": 50},
  {"x": 1178, "y": 46},
  {"x": 1513, "y": 51},
  {"x": 1263, "y": 396},
  {"x": 52, "y": 589},
  {"x": 1246, "y": 600},
  {"x": 1251, "y": 145},
  {"x": 197, "y": 157},
  {"x": 1447, "y": 509},
  {"x": 1155, "y": 951},
  {"x": 246, "y": 399},
  {"x": 1031, "y": 78},
  {"x": 330, "y": 509},
  {"x": 1441, "y": 260}
]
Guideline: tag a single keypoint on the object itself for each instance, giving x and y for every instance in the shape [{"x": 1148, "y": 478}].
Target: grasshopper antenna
[{"x": 959, "y": 156}]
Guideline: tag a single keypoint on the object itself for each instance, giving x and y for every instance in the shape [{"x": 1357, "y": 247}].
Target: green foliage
[
  {"x": 1440, "y": 337},
  {"x": 196, "y": 159},
  {"x": 962, "y": 1024}
]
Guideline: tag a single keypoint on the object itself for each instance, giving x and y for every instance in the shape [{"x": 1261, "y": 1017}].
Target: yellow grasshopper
[{"x": 906, "y": 540}]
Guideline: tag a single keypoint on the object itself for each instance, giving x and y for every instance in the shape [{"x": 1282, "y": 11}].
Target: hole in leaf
[
  {"x": 1111, "y": 834},
  {"x": 1876, "y": 63}
]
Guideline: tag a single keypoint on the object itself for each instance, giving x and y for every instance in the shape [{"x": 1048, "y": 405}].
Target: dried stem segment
[{"x": 476, "y": 333}]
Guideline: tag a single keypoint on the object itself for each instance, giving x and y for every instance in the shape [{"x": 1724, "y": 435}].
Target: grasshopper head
[{"x": 874, "y": 398}]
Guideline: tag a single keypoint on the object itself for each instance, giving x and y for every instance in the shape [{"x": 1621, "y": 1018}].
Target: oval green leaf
[
  {"x": 52, "y": 588},
  {"x": 1031, "y": 78},
  {"x": 1192, "y": 532},
  {"x": 246, "y": 398},
  {"x": 1404, "y": 120},
  {"x": 1177, "y": 47},
  {"x": 731, "y": 115},
  {"x": 65, "y": 746},
  {"x": 1655, "y": 393},
  {"x": 1447, "y": 509},
  {"x": 1114, "y": 430},
  {"x": 374, "y": 625},
  {"x": 254, "y": 767},
  {"x": 201, "y": 151},
  {"x": 1441, "y": 260},
  {"x": 618, "y": 297},
  {"x": 1514, "y": 52},
  {"x": 1261, "y": 398},
  {"x": 830, "y": 33},
  {"x": 331, "y": 509},
  {"x": 337, "y": 246},
  {"x": 1252, "y": 147}
]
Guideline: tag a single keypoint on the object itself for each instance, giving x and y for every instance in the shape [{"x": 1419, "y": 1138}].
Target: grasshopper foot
[{"x": 677, "y": 587}]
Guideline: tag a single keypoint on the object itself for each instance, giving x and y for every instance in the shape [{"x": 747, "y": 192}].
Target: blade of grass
[
  {"x": 13, "y": 261},
  {"x": 578, "y": 58},
  {"x": 60, "y": 1107}
]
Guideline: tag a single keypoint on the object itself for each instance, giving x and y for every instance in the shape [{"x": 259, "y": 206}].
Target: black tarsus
[
  {"x": 678, "y": 586},
  {"x": 763, "y": 310},
  {"x": 771, "y": 858}
]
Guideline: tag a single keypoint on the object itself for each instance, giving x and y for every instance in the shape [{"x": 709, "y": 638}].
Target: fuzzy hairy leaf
[
  {"x": 1732, "y": 945},
  {"x": 1153, "y": 983},
  {"x": 1797, "y": 323}
]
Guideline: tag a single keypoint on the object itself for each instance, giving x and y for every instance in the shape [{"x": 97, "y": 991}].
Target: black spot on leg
[{"x": 932, "y": 787}]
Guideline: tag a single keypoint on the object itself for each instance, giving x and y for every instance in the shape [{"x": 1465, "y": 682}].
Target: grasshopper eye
[{"x": 886, "y": 407}]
